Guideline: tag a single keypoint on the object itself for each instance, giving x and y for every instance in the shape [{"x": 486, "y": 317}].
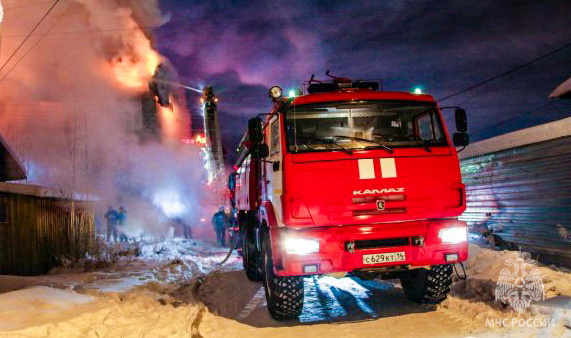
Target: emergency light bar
[{"x": 323, "y": 87}]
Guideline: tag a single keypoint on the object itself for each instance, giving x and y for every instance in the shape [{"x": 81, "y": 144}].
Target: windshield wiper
[
  {"x": 425, "y": 145},
  {"x": 353, "y": 138},
  {"x": 331, "y": 141}
]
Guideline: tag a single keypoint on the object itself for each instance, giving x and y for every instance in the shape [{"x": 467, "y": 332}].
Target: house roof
[
  {"x": 11, "y": 169},
  {"x": 518, "y": 138}
]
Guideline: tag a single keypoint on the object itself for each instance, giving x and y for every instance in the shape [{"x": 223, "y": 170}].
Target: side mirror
[
  {"x": 255, "y": 130},
  {"x": 461, "y": 120},
  {"x": 461, "y": 139},
  {"x": 260, "y": 151}
]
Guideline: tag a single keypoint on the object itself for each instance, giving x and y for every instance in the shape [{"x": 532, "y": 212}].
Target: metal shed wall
[
  {"x": 521, "y": 197},
  {"x": 35, "y": 231}
]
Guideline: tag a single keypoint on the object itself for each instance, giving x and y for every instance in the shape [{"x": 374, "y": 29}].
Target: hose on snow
[{"x": 232, "y": 247}]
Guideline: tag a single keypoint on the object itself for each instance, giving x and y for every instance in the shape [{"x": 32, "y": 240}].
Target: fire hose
[{"x": 232, "y": 247}]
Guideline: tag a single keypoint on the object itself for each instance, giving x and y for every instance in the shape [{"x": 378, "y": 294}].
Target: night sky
[{"x": 242, "y": 48}]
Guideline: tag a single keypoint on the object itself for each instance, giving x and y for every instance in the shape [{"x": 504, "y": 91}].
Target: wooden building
[{"x": 38, "y": 226}]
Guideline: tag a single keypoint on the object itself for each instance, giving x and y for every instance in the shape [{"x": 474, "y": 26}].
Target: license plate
[{"x": 384, "y": 257}]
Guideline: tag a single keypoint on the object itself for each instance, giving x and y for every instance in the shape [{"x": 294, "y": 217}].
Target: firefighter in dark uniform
[
  {"x": 186, "y": 229},
  {"x": 220, "y": 221},
  {"x": 112, "y": 217},
  {"x": 122, "y": 222}
]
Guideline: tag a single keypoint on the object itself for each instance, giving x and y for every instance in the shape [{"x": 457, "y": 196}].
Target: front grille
[
  {"x": 400, "y": 210},
  {"x": 373, "y": 199},
  {"x": 378, "y": 243}
]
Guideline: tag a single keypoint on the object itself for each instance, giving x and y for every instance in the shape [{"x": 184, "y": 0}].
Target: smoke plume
[{"x": 70, "y": 106}]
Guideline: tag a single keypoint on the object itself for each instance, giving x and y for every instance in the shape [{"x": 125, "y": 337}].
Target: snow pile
[
  {"x": 150, "y": 295},
  {"x": 486, "y": 264},
  {"x": 203, "y": 254},
  {"x": 36, "y": 305},
  {"x": 141, "y": 314},
  {"x": 475, "y": 296}
]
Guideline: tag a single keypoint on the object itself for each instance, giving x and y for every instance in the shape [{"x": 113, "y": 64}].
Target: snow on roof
[
  {"x": 543, "y": 132},
  {"x": 563, "y": 91},
  {"x": 39, "y": 191}
]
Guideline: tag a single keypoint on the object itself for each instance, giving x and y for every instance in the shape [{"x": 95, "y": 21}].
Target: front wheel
[
  {"x": 427, "y": 286},
  {"x": 284, "y": 295}
]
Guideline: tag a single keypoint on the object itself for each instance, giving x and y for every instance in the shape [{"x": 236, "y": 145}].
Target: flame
[
  {"x": 167, "y": 116},
  {"x": 136, "y": 62},
  {"x": 200, "y": 139},
  {"x": 133, "y": 74}
]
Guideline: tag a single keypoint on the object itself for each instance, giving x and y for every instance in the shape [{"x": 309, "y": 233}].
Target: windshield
[{"x": 363, "y": 125}]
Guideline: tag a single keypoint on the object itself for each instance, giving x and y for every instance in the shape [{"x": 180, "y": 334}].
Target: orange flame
[
  {"x": 168, "y": 119},
  {"x": 200, "y": 139},
  {"x": 136, "y": 75},
  {"x": 136, "y": 63}
]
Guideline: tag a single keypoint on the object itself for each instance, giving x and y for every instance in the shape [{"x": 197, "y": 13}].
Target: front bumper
[{"x": 334, "y": 255}]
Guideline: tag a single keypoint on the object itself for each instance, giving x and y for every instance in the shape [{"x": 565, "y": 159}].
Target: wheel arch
[{"x": 269, "y": 223}]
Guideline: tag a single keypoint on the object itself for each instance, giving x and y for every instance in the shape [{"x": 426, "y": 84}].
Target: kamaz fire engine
[{"x": 350, "y": 179}]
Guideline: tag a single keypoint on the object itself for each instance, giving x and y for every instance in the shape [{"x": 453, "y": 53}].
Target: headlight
[
  {"x": 453, "y": 235},
  {"x": 301, "y": 246}
]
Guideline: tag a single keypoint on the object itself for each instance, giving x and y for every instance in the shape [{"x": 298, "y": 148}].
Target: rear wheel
[
  {"x": 251, "y": 258},
  {"x": 284, "y": 295},
  {"x": 427, "y": 286}
]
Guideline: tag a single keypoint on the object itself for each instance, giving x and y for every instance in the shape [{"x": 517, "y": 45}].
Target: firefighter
[
  {"x": 187, "y": 231},
  {"x": 122, "y": 221},
  {"x": 220, "y": 221},
  {"x": 112, "y": 217}
]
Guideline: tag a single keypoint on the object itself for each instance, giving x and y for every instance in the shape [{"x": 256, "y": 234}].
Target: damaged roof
[{"x": 11, "y": 169}]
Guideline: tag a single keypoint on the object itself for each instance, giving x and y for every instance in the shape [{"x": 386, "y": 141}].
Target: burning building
[{"x": 89, "y": 111}]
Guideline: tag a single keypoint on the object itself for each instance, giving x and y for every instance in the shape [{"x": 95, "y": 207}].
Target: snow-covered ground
[{"x": 177, "y": 289}]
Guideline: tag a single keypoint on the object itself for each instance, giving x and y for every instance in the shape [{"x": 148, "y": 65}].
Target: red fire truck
[{"x": 349, "y": 179}]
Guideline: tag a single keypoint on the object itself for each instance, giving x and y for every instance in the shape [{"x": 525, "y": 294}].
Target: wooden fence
[{"x": 37, "y": 231}]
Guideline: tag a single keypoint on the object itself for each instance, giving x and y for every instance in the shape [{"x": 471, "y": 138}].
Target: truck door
[{"x": 273, "y": 167}]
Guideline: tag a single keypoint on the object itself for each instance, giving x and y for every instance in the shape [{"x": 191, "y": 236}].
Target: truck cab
[{"x": 348, "y": 179}]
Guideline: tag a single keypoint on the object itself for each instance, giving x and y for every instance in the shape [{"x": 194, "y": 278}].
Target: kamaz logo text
[{"x": 377, "y": 191}]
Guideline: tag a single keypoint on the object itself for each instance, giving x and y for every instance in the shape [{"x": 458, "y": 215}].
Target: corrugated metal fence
[
  {"x": 521, "y": 197},
  {"x": 36, "y": 231}
]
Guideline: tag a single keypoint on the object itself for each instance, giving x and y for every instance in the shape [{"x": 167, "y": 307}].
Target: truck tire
[
  {"x": 251, "y": 259},
  {"x": 427, "y": 286},
  {"x": 284, "y": 295}
]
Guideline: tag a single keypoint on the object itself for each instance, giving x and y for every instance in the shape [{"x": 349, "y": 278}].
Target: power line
[
  {"x": 29, "y": 50},
  {"x": 507, "y": 72},
  {"x": 28, "y": 36},
  {"x": 544, "y": 105}
]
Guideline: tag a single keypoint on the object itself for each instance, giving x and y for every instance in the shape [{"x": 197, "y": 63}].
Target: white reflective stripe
[
  {"x": 366, "y": 168},
  {"x": 388, "y": 168},
  {"x": 256, "y": 301}
]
